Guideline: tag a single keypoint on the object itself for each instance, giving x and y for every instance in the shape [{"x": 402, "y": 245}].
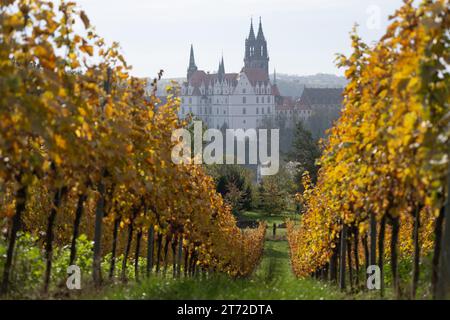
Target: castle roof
[
  {"x": 256, "y": 75},
  {"x": 200, "y": 77},
  {"x": 285, "y": 103}
]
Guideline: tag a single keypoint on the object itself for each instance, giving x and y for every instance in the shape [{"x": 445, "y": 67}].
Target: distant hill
[
  {"x": 289, "y": 85},
  {"x": 292, "y": 85}
]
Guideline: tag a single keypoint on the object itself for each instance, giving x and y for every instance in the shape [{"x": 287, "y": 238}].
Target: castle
[{"x": 233, "y": 100}]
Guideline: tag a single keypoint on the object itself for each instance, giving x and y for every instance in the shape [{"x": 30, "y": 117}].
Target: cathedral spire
[
  {"x": 251, "y": 36},
  {"x": 191, "y": 58},
  {"x": 192, "y": 66},
  {"x": 221, "y": 71},
  {"x": 274, "y": 76},
  {"x": 256, "y": 55},
  {"x": 260, "y": 31}
]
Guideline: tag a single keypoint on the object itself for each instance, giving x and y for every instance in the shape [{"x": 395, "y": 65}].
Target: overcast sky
[{"x": 303, "y": 35}]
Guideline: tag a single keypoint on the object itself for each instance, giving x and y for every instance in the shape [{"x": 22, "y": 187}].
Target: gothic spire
[
  {"x": 260, "y": 31},
  {"x": 192, "y": 59},
  {"x": 221, "y": 71},
  {"x": 221, "y": 67},
  {"x": 274, "y": 76},
  {"x": 251, "y": 36},
  {"x": 192, "y": 67}
]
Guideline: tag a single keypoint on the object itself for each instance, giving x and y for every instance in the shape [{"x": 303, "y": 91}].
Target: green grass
[
  {"x": 270, "y": 219},
  {"x": 272, "y": 280}
]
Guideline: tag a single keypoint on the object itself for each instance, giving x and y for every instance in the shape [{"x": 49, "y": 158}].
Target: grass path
[{"x": 272, "y": 280}]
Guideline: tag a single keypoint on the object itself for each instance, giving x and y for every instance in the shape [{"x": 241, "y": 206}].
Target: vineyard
[
  {"x": 382, "y": 191},
  {"x": 86, "y": 176}
]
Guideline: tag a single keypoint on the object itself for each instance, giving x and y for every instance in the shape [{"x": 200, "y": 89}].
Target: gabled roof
[
  {"x": 285, "y": 103},
  {"x": 200, "y": 77},
  {"x": 256, "y": 75}
]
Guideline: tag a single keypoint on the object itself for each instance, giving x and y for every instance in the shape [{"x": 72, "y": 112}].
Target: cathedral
[{"x": 232, "y": 100}]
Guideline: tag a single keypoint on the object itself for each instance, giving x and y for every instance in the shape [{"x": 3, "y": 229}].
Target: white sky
[{"x": 303, "y": 35}]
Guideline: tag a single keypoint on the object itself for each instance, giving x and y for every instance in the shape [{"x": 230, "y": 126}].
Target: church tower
[
  {"x": 192, "y": 67},
  {"x": 221, "y": 70},
  {"x": 256, "y": 55}
]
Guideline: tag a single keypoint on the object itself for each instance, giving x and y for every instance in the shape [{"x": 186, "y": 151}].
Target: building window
[
  {"x": 262, "y": 110},
  {"x": 257, "y": 110},
  {"x": 217, "y": 111},
  {"x": 244, "y": 121},
  {"x": 244, "y": 111},
  {"x": 262, "y": 99},
  {"x": 190, "y": 100},
  {"x": 243, "y": 91},
  {"x": 268, "y": 110},
  {"x": 182, "y": 100},
  {"x": 257, "y": 99},
  {"x": 244, "y": 100}
]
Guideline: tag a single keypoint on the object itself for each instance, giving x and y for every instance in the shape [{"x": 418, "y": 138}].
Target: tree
[
  {"x": 240, "y": 177},
  {"x": 276, "y": 192},
  {"x": 305, "y": 152}
]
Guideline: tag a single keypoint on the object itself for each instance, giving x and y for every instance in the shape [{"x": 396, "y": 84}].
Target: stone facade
[{"x": 232, "y": 100}]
